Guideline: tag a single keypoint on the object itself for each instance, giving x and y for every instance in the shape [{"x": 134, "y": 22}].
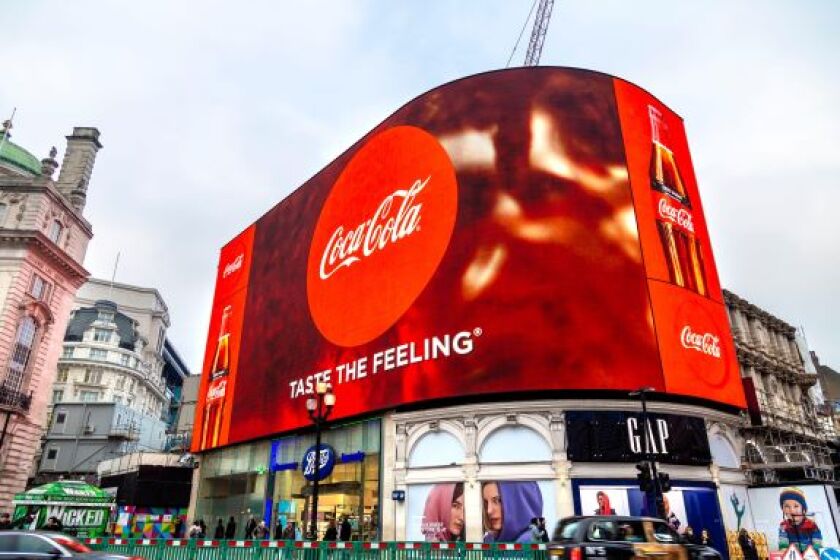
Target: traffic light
[
  {"x": 664, "y": 481},
  {"x": 644, "y": 476}
]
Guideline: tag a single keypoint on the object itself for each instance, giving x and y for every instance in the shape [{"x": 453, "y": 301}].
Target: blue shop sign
[{"x": 325, "y": 464}]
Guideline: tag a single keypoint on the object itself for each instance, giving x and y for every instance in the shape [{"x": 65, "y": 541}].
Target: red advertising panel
[
  {"x": 481, "y": 240},
  {"x": 695, "y": 341},
  {"x": 221, "y": 357}
]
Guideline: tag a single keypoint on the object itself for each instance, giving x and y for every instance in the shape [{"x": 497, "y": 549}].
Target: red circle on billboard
[{"x": 381, "y": 234}]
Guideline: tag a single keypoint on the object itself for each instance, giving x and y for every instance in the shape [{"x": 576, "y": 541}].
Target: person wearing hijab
[
  {"x": 508, "y": 510},
  {"x": 443, "y": 514},
  {"x": 603, "y": 504}
]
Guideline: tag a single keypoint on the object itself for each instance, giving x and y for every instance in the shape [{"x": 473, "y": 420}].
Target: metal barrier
[{"x": 213, "y": 549}]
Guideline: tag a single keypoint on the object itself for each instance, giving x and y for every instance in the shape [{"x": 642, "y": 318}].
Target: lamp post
[
  {"x": 319, "y": 406},
  {"x": 651, "y": 464}
]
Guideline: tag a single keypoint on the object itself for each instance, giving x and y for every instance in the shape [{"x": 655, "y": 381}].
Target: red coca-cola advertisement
[{"x": 524, "y": 231}]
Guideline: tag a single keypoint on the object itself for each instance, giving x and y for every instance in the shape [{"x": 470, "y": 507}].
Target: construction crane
[{"x": 535, "y": 45}]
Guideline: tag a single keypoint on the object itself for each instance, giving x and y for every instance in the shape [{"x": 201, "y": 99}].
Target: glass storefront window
[{"x": 351, "y": 491}]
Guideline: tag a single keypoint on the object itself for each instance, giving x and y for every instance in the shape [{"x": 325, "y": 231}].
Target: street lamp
[
  {"x": 319, "y": 406},
  {"x": 648, "y": 462}
]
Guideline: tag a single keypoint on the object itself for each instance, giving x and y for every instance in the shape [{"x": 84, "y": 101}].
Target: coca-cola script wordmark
[{"x": 381, "y": 235}]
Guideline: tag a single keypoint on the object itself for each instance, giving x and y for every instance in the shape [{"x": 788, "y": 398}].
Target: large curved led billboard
[{"x": 527, "y": 230}]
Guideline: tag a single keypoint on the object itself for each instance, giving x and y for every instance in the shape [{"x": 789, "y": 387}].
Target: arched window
[
  {"x": 511, "y": 443},
  {"x": 24, "y": 340},
  {"x": 723, "y": 453},
  {"x": 55, "y": 231},
  {"x": 436, "y": 449}
]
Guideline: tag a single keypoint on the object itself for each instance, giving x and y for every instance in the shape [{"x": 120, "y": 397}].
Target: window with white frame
[
  {"x": 93, "y": 376},
  {"x": 3, "y": 209},
  {"x": 39, "y": 288},
  {"x": 58, "y": 395},
  {"x": 21, "y": 352},
  {"x": 101, "y": 335},
  {"x": 89, "y": 396},
  {"x": 98, "y": 354},
  {"x": 62, "y": 376},
  {"x": 125, "y": 360},
  {"x": 55, "y": 231},
  {"x": 67, "y": 352}
]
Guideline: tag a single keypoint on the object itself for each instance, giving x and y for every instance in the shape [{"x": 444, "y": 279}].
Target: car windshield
[{"x": 566, "y": 530}]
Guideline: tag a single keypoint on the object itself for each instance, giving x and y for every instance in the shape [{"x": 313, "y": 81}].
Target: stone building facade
[
  {"x": 787, "y": 436},
  {"x": 43, "y": 239}
]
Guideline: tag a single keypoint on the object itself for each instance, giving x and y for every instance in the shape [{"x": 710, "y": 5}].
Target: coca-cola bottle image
[
  {"x": 214, "y": 403},
  {"x": 674, "y": 217}
]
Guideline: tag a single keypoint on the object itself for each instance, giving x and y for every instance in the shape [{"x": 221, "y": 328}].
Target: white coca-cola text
[
  {"x": 217, "y": 390},
  {"x": 707, "y": 343},
  {"x": 346, "y": 247},
  {"x": 679, "y": 216},
  {"x": 233, "y": 266}
]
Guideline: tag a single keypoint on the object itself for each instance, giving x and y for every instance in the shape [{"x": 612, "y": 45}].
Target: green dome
[{"x": 13, "y": 154}]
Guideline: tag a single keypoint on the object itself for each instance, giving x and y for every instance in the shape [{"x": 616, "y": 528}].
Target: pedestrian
[
  {"x": 534, "y": 529},
  {"x": 249, "y": 527},
  {"x": 346, "y": 530},
  {"x": 332, "y": 532},
  {"x": 289, "y": 532},
  {"x": 195, "y": 530},
  {"x": 298, "y": 532},
  {"x": 689, "y": 536},
  {"x": 705, "y": 537},
  {"x": 543, "y": 531},
  {"x": 261, "y": 530},
  {"x": 747, "y": 545},
  {"x": 219, "y": 533},
  {"x": 178, "y": 530},
  {"x": 54, "y": 524},
  {"x": 230, "y": 530},
  {"x": 5, "y": 521},
  {"x": 203, "y": 527}
]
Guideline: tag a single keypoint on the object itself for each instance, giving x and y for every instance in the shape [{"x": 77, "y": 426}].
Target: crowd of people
[{"x": 258, "y": 530}]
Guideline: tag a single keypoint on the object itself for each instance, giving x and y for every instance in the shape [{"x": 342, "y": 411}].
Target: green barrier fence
[{"x": 210, "y": 549}]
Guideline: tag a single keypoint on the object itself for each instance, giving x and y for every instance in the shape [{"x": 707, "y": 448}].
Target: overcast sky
[{"x": 211, "y": 112}]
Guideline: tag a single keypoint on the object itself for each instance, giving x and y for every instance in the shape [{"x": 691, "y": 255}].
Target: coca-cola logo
[
  {"x": 217, "y": 389},
  {"x": 381, "y": 235},
  {"x": 675, "y": 215},
  {"x": 706, "y": 343},
  {"x": 234, "y": 265},
  {"x": 346, "y": 247}
]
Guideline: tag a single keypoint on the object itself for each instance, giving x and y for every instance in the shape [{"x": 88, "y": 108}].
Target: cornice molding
[{"x": 46, "y": 249}]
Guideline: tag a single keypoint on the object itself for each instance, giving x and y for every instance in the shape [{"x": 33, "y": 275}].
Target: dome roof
[
  {"x": 11, "y": 153},
  {"x": 84, "y": 317}
]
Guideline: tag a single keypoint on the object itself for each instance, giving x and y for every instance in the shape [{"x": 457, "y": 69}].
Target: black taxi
[{"x": 611, "y": 537}]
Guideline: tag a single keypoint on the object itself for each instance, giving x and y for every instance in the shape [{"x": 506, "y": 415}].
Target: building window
[
  {"x": 62, "y": 376},
  {"x": 106, "y": 316},
  {"x": 55, "y": 231},
  {"x": 60, "y": 417},
  {"x": 39, "y": 288},
  {"x": 24, "y": 340},
  {"x": 120, "y": 382},
  {"x": 101, "y": 335},
  {"x": 161, "y": 339},
  {"x": 93, "y": 376},
  {"x": 52, "y": 454},
  {"x": 125, "y": 359},
  {"x": 67, "y": 352},
  {"x": 98, "y": 354},
  {"x": 89, "y": 396},
  {"x": 58, "y": 396},
  {"x": 3, "y": 208}
]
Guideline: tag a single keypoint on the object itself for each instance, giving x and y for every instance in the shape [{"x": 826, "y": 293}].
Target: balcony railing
[{"x": 14, "y": 401}]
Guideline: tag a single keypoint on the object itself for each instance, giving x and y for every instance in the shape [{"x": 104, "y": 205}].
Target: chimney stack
[{"x": 77, "y": 165}]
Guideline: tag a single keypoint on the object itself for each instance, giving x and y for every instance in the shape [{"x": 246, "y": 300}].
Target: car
[
  {"x": 40, "y": 545},
  {"x": 614, "y": 537}
]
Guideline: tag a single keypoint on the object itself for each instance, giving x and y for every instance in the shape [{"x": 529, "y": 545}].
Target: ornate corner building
[
  {"x": 788, "y": 436},
  {"x": 43, "y": 240}
]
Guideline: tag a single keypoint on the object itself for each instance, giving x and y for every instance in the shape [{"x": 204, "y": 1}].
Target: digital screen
[{"x": 533, "y": 229}]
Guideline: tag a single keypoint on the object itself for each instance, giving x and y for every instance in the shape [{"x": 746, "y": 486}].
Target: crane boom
[{"x": 535, "y": 44}]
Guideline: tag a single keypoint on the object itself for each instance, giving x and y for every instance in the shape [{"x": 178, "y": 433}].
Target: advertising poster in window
[
  {"x": 517, "y": 510},
  {"x": 795, "y": 515},
  {"x": 436, "y": 512},
  {"x": 406, "y": 269},
  {"x": 736, "y": 508}
]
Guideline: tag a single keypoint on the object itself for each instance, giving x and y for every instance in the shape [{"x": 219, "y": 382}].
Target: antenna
[{"x": 113, "y": 275}]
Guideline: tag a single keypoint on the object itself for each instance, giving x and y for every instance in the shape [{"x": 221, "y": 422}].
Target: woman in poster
[
  {"x": 795, "y": 527},
  {"x": 443, "y": 515},
  {"x": 508, "y": 510},
  {"x": 603, "y": 504}
]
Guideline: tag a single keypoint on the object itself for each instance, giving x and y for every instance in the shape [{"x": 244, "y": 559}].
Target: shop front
[
  {"x": 267, "y": 481},
  {"x": 598, "y": 440}
]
